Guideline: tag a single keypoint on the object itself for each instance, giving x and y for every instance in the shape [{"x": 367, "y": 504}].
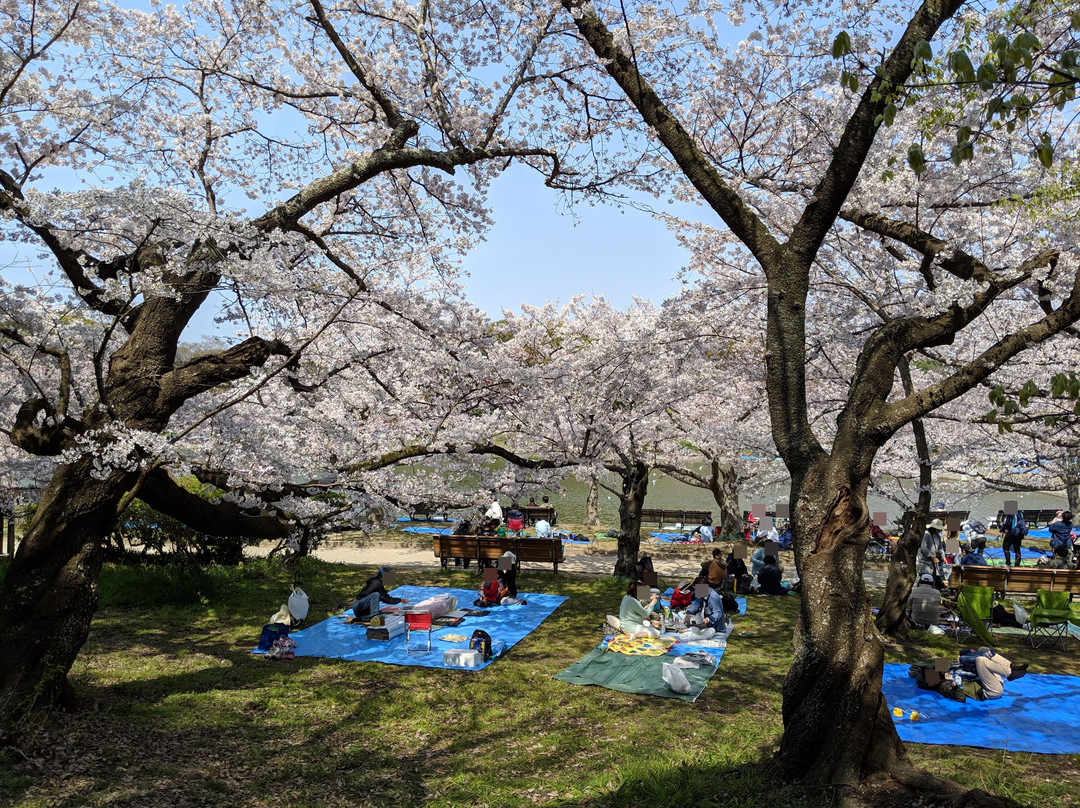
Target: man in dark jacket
[
  {"x": 366, "y": 604},
  {"x": 771, "y": 578}
]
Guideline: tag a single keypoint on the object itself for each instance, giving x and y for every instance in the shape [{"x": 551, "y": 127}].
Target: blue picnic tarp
[
  {"x": 1035, "y": 714},
  {"x": 335, "y": 638},
  {"x": 438, "y": 531}
]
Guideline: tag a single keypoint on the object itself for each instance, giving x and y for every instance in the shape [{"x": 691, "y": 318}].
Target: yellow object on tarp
[{"x": 639, "y": 646}]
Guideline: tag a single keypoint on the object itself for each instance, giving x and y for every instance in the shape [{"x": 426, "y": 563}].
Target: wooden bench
[
  {"x": 490, "y": 548},
  {"x": 534, "y": 512},
  {"x": 426, "y": 513},
  {"x": 1036, "y": 519},
  {"x": 669, "y": 515},
  {"x": 1017, "y": 580}
]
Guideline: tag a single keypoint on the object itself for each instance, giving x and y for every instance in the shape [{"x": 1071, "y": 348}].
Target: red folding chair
[
  {"x": 417, "y": 621},
  {"x": 515, "y": 525}
]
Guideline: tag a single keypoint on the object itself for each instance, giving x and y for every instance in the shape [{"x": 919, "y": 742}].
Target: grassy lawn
[{"x": 178, "y": 713}]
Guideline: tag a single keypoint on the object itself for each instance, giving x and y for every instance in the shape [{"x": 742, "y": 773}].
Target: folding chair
[
  {"x": 417, "y": 621},
  {"x": 1050, "y": 620},
  {"x": 974, "y": 604}
]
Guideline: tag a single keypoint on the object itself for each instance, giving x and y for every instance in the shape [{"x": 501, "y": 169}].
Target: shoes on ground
[{"x": 1018, "y": 671}]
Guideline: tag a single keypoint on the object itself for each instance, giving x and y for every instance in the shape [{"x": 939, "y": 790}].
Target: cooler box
[
  {"x": 393, "y": 626},
  {"x": 462, "y": 657}
]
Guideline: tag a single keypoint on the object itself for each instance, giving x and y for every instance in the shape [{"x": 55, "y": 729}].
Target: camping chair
[
  {"x": 974, "y": 604},
  {"x": 1050, "y": 619},
  {"x": 417, "y": 621}
]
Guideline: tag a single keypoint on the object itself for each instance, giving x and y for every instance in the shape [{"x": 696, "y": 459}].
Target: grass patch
[{"x": 179, "y": 713}]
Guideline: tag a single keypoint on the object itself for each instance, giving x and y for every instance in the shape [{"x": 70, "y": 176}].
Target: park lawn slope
[{"x": 178, "y": 712}]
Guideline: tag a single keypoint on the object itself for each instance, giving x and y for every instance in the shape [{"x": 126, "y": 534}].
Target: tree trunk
[
  {"x": 1072, "y": 491},
  {"x": 592, "y": 504},
  {"x": 635, "y": 485},
  {"x": 837, "y": 728},
  {"x": 50, "y": 592},
  {"x": 725, "y": 491}
]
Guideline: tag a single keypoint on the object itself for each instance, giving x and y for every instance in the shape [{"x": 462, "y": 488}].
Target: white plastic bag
[
  {"x": 675, "y": 679},
  {"x": 1020, "y": 614},
  {"x": 298, "y": 604}
]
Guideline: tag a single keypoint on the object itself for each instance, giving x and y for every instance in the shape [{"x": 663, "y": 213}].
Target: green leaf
[
  {"x": 916, "y": 159},
  {"x": 961, "y": 66},
  {"x": 841, "y": 46},
  {"x": 923, "y": 52},
  {"x": 1027, "y": 41},
  {"x": 889, "y": 113},
  {"x": 987, "y": 76},
  {"x": 1045, "y": 152}
]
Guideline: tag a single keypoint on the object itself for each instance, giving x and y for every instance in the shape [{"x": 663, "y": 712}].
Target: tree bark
[
  {"x": 50, "y": 591},
  {"x": 592, "y": 504},
  {"x": 1072, "y": 491},
  {"x": 725, "y": 491},
  {"x": 635, "y": 485},
  {"x": 837, "y": 728}
]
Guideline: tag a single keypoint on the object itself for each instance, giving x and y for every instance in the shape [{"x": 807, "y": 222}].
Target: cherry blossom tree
[
  {"x": 803, "y": 176},
  {"x": 292, "y": 165}
]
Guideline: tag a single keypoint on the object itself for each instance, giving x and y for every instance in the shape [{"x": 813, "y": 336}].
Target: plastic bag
[
  {"x": 675, "y": 679},
  {"x": 298, "y": 604}
]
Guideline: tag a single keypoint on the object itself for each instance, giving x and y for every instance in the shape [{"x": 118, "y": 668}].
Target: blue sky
[{"x": 538, "y": 251}]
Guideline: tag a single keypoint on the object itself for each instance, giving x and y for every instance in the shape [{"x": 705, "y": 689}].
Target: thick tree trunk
[
  {"x": 50, "y": 592},
  {"x": 592, "y": 504},
  {"x": 1072, "y": 491},
  {"x": 635, "y": 485},
  {"x": 837, "y": 728},
  {"x": 725, "y": 491}
]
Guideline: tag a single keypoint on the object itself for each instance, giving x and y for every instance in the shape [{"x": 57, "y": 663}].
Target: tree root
[{"x": 949, "y": 794}]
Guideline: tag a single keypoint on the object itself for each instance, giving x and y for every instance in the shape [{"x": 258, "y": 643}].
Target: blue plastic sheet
[
  {"x": 996, "y": 553},
  {"x": 335, "y": 638},
  {"x": 439, "y": 531},
  {"x": 1036, "y": 714},
  {"x": 669, "y": 538}
]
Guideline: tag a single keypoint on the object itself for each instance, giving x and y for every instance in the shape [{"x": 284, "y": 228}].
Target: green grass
[{"x": 179, "y": 713}]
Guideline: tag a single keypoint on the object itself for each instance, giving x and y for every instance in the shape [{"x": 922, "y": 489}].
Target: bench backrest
[
  {"x": 978, "y": 575},
  {"x": 492, "y": 547},
  {"x": 1029, "y": 580},
  {"x": 662, "y": 515}
]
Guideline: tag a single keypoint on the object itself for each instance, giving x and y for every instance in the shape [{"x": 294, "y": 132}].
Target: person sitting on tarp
[
  {"x": 980, "y": 675},
  {"x": 771, "y": 578},
  {"x": 757, "y": 561},
  {"x": 634, "y": 614},
  {"x": 924, "y": 603},
  {"x": 711, "y": 609},
  {"x": 704, "y": 531},
  {"x": 972, "y": 553},
  {"x": 489, "y": 594},
  {"x": 366, "y": 604},
  {"x": 1058, "y": 561},
  {"x": 716, "y": 568}
]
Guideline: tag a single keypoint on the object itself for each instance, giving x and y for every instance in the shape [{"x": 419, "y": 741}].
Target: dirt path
[{"x": 579, "y": 560}]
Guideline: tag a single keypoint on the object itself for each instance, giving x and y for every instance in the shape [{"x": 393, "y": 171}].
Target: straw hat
[{"x": 937, "y": 524}]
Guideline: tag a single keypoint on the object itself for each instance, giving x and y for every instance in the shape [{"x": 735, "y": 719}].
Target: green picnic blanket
[{"x": 638, "y": 674}]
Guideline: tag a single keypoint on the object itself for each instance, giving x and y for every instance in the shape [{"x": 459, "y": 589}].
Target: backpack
[
  {"x": 481, "y": 641},
  {"x": 731, "y": 606},
  {"x": 1020, "y": 526}
]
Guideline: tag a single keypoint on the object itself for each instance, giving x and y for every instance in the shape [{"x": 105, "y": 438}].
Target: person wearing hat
[
  {"x": 924, "y": 605},
  {"x": 366, "y": 604},
  {"x": 932, "y": 552}
]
